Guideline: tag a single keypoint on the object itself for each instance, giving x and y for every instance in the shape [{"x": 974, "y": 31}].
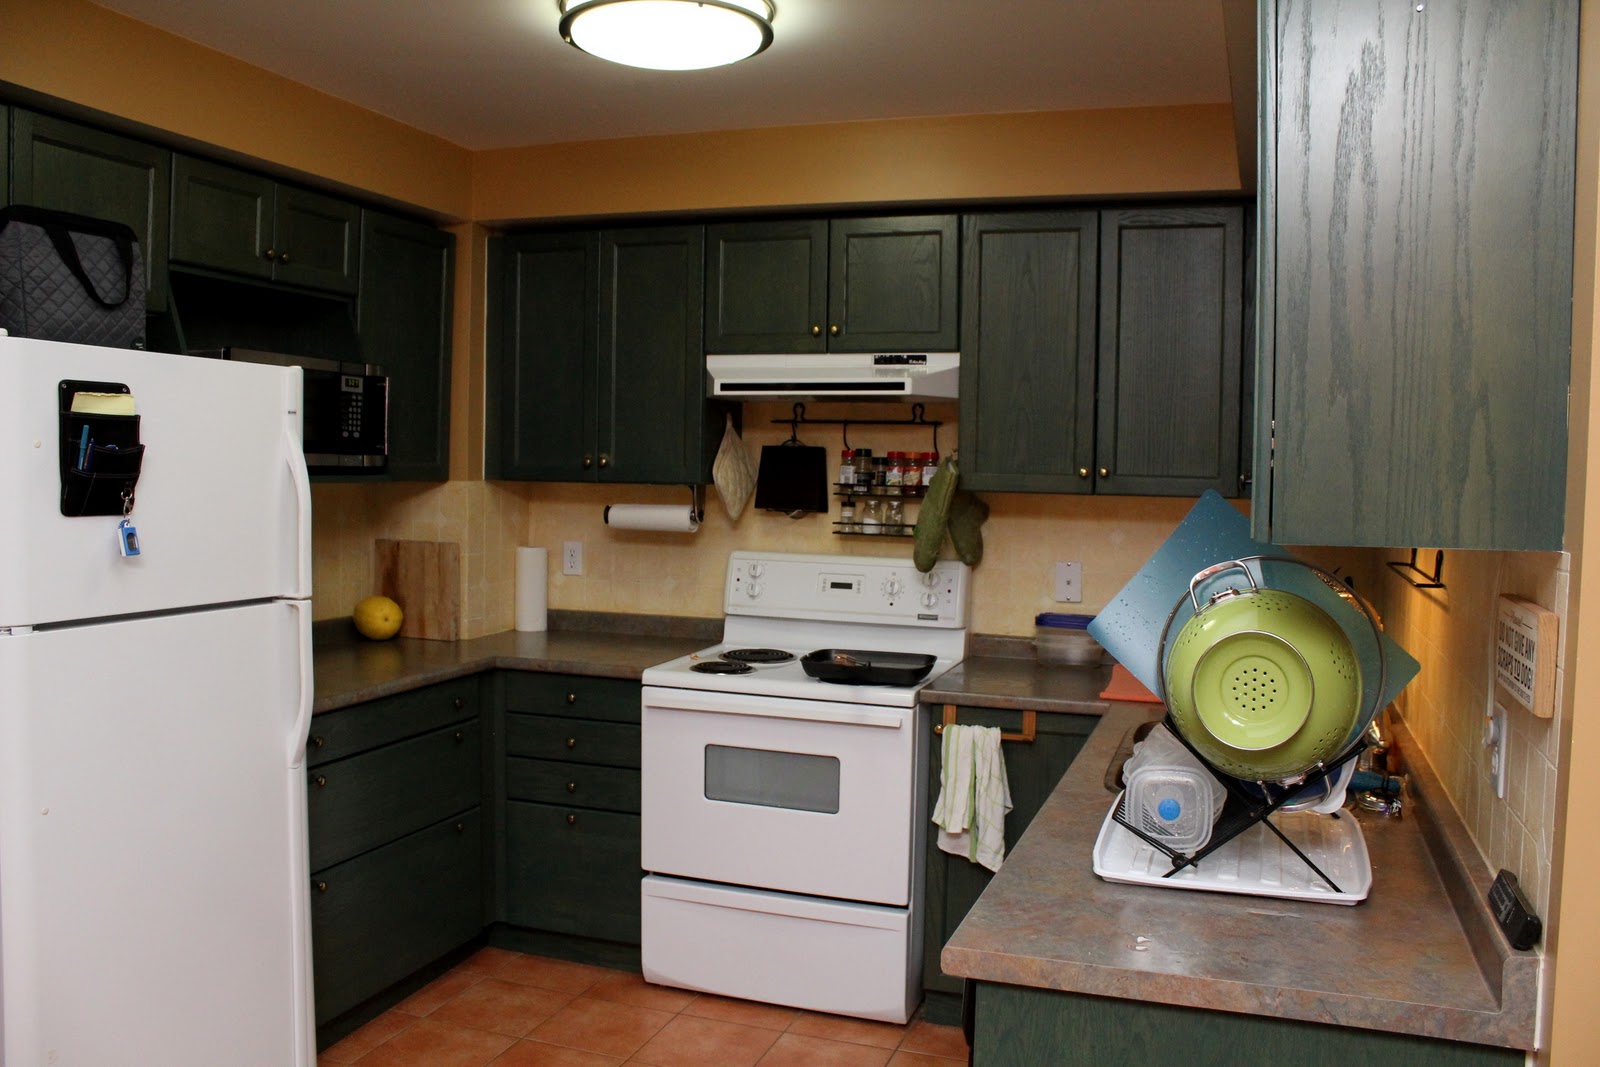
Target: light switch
[{"x": 1069, "y": 581}]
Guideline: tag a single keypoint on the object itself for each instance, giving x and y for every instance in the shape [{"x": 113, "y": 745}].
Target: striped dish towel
[{"x": 973, "y": 795}]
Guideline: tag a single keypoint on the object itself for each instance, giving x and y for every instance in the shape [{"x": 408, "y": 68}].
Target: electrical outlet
[
  {"x": 1069, "y": 581},
  {"x": 1495, "y": 740},
  {"x": 572, "y": 557}
]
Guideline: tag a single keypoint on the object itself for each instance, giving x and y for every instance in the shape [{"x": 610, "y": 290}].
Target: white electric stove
[{"x": 784, "y": 816}]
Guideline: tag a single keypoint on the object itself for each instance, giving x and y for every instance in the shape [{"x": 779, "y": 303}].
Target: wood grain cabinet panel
[{"x": 1417, "y": 180}]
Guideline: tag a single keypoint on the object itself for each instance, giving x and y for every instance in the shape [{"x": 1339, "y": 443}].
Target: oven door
[{"x": 801, "y": 796}]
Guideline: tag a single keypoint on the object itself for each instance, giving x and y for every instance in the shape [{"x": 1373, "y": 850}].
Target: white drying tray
[{"x": 1256, "y": 862}]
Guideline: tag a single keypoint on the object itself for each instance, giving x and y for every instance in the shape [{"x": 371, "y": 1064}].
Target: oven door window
[{"x": 766, "y": 778}]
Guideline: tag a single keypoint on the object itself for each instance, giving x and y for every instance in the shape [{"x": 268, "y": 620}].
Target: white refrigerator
[{"x": 154, "y": 888}]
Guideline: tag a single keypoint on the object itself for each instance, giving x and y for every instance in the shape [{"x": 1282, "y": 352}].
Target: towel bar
[{"x": 1030, "y": 725}]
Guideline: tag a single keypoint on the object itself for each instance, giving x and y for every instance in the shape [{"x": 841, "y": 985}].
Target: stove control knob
[
  {"x": 930, "y": 600},
  {"x": 753, "y": 590},
  {"x": 893, "y": 587},
  {"x": 757, "y": 569},
  {"x": 930, "y": 577}
]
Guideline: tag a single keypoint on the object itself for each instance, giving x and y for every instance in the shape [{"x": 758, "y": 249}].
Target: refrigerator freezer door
[
  {"x": 222, "y": 505},
  {"x": 154, "y": 881}
]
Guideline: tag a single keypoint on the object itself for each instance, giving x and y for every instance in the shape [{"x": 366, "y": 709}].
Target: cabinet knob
[
  {"x": 271, "y": 253},
  {"x": 572, "y": 742},
  {"x": 460, "y": 736},
  {"x": 317, "y": 742},
  {"x": 1083, "y": 472},
  {"x": 572, "y": 787},
  {"x": 833, "y": 331},
  {"x": 572, "y": 820},
  {"x": 322, "y": 887},
  {"x": 461, "y": 827},
  {"x": 321, "y": 781},
  {"x": 572, "y": 698},
  {"x": 816, "y": 331},
  {"x": 1105, "y": 472},
  {"x": 459, "y": 702},
  {"x": 283, "y": 257},
  {"x": 588, "y": 461},
  {"x": 605, "y": 461}
]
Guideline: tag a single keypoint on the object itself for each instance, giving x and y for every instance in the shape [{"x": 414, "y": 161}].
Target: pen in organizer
[{"x": 83, "y": 449}]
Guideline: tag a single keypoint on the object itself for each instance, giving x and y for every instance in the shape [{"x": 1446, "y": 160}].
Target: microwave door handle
[{"x": 743, "y": 704}]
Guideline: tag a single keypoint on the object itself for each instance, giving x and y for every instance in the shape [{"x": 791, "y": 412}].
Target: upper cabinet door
[
  {"x": 67, "y": 167},
  {"x": 1028, "y": 351},
  {"x": 404, "y": 307},
  {"x": 1171, "y": 322},
  {"x": 653, "y": 411},
  {"x": 315, "y": 239},
  {"x": 221, "y": 217},
  {"x": 1417, "y": 192},
  {"x": 892, "y": 284},
  {"x": 767, "y": 286}
]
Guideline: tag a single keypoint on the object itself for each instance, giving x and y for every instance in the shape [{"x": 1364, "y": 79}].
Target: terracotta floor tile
[
  {"x": 748, "y": 1012},
  {"x": 358, "y": 1043},
  {"x": 935, "y": 1040},
  {"x": 434, "y": 1044},
  {"x": 436, "y": 992},
  {"x": 539, "y": 1054},
  {"x": 486, "y": 959},
  {"x": 798, "y": 1050},
  {"x": 502, "y": 1007},
  {"x": 844, "y": 1028},
  {"x": 543, "y": 972},
  {"x": 625, "y": 987},
  {"x": 688, "y": 1041},
  {"x": 919, "y": 1059},
  {"x": 601, "y": 1026}
]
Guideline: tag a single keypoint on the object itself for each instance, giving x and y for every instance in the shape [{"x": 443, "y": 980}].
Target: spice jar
[
  {"x": 894, "y": 517},
  {"x": 847, "y": 517},
  {"x": 872, "y": 516},
  {"x": 930, "y": 464},
  {"x": 911, "y": 479},
  {"x": 847, "y": 467},
  {"x": 895, "y": 472}
]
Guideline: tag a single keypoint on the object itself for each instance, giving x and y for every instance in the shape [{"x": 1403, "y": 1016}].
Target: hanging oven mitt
[
  {"x": 731, "y": 471},
  {"x": 934, "y": 517},
  {"x": 967, "y": 514}
]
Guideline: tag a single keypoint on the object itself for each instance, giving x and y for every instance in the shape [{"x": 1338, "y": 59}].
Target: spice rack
[{"x": 852, "y": 493}]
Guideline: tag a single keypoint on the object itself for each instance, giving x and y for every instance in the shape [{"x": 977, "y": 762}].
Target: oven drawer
[
  {"x": 547, "y": 737},
  {"x": 572, "y": 695},
  {"x": 580, "y": 784},
  {"x": 573, "y": 871}
]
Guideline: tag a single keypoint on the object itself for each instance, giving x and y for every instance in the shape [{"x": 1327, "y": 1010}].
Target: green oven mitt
[
  {"x": 967, "y": 513},
  {"x": 933, "y": 519}
]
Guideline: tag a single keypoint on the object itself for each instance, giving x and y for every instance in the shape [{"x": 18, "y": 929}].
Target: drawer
[
  {"x": 368, "y": 800},
  {"x": 573, "y": 696},
  {"x": 338, "y": 734},
  {"x": 580, "y": 784},
  {"x": 549, "y": 737},
  {"x": 381, "y": 916},
  {"x": 573, "y": 871}
]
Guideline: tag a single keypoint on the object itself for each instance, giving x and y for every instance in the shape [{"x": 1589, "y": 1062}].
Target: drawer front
[
  {"x": 572, "y": 696},
  {"x": 572, "y": 740},
  {"x": 580, "y": 784},
  {"x": 573, "y": 871},
  {"x": 338, "y": 734},
  {"x": 374, "y": 798},
  {"x": 379, "y": 917}
]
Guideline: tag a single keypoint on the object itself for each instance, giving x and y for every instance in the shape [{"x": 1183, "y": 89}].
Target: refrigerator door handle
[
  {"x": 307, "y": 692},
  {"x": 294, "y": 455}
]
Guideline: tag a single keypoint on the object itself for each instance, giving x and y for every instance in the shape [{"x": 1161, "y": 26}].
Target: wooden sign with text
[{"x": 1525, "y": 638}]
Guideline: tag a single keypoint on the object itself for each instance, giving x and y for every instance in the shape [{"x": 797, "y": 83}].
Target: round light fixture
[{"x": 668, "y": 34}]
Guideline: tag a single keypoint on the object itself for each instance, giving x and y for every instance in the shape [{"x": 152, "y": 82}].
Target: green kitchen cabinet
[
  {"x": 403, "y": 312},
  {"x": 1033, "y": 768},
  {"x": 66, "y": 166},
  {"x": 597, "y": 354},
  {"x": 1417, "y": 190},
  {"x": 1102, "y": 350},
  {"x": 572, "y": 806},
  {"x": 842, "y": 285},
  {"x": 398, "y": 845},
  {"x": 1016, "y": 1026},
  {"x": 248, "y": 224}
]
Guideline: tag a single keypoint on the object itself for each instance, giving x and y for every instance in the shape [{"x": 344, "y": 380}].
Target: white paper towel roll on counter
[
  {"x": 532, "y": 588},
  {"x": 671, "y": 518}
]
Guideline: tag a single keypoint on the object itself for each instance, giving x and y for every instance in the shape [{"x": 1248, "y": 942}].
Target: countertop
[{"x": 1419, "y": 956}]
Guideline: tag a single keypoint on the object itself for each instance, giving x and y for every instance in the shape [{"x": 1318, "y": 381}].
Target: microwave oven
[{"x": 345, "y": 410}]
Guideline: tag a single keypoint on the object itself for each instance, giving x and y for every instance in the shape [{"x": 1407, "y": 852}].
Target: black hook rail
[
  {"x": 800, "y": 418},
  {"x": 1422, "y": 579}
]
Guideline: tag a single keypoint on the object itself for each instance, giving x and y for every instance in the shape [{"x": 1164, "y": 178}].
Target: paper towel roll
[
  {"x": 532, "y": 583},
  {"x": 672, "y": 518}
]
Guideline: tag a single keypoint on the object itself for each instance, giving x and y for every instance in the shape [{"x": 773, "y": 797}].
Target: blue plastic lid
[
  {"x": 1062, "y": 622},
  {"x": 1169, "y": 809}
]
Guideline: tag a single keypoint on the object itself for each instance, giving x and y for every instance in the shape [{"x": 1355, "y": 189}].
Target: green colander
[{"x": 1262, "y": 683}]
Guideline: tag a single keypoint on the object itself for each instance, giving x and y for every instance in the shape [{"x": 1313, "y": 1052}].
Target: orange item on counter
[{"x": 1124, "y": 686}]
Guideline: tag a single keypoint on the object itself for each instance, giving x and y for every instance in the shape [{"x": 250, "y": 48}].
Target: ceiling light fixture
[{"x": 668, "y": 34}]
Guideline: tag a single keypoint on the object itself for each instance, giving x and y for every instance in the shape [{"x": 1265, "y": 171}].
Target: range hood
[{"x": 862, "y": 376}]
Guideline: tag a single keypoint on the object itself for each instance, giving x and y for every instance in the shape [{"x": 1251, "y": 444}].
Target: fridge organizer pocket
[{"x": 100, "y": 450}]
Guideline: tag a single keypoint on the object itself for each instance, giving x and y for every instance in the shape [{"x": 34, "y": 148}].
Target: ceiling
[{"x": 487, "y": 74}]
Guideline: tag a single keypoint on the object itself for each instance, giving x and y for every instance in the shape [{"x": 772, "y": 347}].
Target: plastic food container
[
  {"x": 1061, "y": 640},
  {"x": 1171, "y": 796}
]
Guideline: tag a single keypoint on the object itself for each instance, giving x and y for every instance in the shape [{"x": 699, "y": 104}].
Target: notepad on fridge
[{"x": 103, "y": 403}]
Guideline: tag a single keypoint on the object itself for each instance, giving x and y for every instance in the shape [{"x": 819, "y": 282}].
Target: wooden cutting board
[{"x": 424, "y": 578}]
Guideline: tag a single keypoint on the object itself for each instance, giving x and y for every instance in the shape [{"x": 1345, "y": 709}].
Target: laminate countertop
[{"x": 1419, "y": 956}]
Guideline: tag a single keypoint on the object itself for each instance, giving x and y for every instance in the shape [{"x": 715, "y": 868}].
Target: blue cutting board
[{"x": 1214, "y": 531}]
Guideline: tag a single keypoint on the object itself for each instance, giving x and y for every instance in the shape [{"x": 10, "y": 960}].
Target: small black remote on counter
[{"x": 1512, "y": 911}]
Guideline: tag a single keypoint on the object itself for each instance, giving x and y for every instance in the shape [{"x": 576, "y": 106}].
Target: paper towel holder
[{"x": 697, "y": 505}]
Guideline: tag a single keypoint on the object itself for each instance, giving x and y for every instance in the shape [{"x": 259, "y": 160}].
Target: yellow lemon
[{"x": 378, "y": 617}]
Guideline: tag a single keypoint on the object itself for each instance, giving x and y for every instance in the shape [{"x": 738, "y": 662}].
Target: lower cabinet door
[
  {"x": 573, "y": 871},
  {"x": 379, "y": 917}
]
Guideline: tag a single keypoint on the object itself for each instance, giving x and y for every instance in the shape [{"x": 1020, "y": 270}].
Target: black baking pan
[{"x": 851, "y": 666}]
